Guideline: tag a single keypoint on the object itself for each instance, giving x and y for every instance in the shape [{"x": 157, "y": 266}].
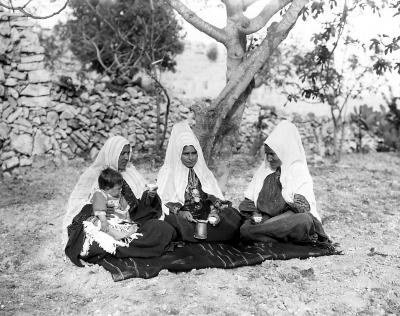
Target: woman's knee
[{"x": 246, "y": 231}]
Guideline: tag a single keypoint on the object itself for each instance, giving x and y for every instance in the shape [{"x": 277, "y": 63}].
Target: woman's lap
[
  {"x": 289, "y": 225},
  {"x": 226, "y": 230}
]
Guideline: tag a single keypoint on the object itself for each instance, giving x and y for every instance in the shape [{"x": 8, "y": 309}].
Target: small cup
[
  {"x": 212, "y": 220},
  {"x": 257, "y": 218},
  {"x": 201, "y": 229}
]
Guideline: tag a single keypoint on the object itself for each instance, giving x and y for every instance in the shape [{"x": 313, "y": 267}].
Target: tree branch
[
  {"x": 22, "y": 9},
  {"x": 191, "y": 17},
  {"x": 257, "y": 23}
]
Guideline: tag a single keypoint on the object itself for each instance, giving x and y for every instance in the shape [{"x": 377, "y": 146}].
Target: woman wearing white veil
[
  {"x": 189, "y": 191},
  {"x": 279, "y": 201},
  {"x": 84, "y": 242}
]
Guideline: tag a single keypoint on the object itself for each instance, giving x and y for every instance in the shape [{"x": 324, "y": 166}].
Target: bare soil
[{"x": 359, "y": 200}]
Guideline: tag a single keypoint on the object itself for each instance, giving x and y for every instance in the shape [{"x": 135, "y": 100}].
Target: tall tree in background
[{"x": 222, "y": 118}]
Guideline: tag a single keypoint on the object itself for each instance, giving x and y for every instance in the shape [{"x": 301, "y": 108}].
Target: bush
[{"x": 121, "y": 36}]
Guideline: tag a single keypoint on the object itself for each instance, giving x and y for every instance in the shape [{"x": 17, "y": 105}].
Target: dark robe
[
  {"x": 279, "y": 219},
  {"x": 156, "y": 239},
  {"x": 230, "y": 219}
]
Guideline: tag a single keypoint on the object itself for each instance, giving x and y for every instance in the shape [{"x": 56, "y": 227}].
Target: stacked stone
[
  {"x": 316, "y": 132},
  {"x": 24, "y": 91}
]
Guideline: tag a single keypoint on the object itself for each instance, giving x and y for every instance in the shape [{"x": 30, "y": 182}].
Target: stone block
[
  {"x": 4, "y": 45},
  {"x": 11, "y": 82},
  {"x": 25, "y": 161},
  {"x": 14, "y": 115},
  {"x": 22, "y": 143},
  {"x": 37, "y": 102},
  {"x": 5, "y": 30},
  {"x": 13, "y": 93},
  {"x": 14, "y": 35},
  {"x": 31, "y": 66},
  {"x": 38, "y": 76},
  {"x": 4, "y": 130},
  {"x": 32, "y": 58},
  {"x": 7, "y": 155},
  {"x": 2, "y": 77},
  {"x": 10, "y": 163},
  {"x": 41, "y": 143},
  {"x": 52, "y": 118},
  {"x": 36, "y": 90},
  {"x": 22, "y": 22},
  {"x": 18, "y": 75}
]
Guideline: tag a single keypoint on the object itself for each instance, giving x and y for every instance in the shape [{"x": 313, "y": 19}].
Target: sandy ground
[{"x": 360, "y": 206}]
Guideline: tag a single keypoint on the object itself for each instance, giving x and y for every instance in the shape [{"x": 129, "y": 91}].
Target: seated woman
[
  {"x": 190, "y": 192},
  {"x": 87, "y": 241},
  {"x": 279, "y": 201}
]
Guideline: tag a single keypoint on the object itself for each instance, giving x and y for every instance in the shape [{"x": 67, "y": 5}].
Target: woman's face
[
  {"x": 189, "y": 156},
  {"x": 123, "y": 158},
  {"x": 272, "y": 158}
]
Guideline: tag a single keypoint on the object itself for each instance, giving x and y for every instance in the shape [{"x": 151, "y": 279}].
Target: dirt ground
[{"x": 359, "y": 200}]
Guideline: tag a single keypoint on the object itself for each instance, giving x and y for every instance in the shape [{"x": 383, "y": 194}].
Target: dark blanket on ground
[{"x": 208, "y": 255}]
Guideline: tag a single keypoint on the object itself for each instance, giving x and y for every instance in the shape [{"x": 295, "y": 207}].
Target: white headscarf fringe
[
  {"x": 105, "y": 241},
  {"x": 285, "y": 141}
]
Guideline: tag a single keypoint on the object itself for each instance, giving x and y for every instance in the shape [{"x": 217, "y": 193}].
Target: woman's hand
[
  {"x": 187, "y": 215},
  {"x": 214, "y": 218},
  {"x": 256, "y": 218},
  {"x": 300, "y": 204}
]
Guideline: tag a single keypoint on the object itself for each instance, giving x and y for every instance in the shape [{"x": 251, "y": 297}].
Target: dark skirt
[
  {"x": 156, "y": 240},
  {"x": 226, "y": 230},
  {"x": 289, "y": 226}
]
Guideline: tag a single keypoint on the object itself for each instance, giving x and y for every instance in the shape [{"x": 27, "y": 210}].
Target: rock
[
  {"x": 36, "y": 121},
  {"x": 32, "y": 58},
  {"x": 22, "y": 143},
  {"x": 4, "y": 45},
  {"x": 2, "y": 77},
  {"x": 66, "y": 115},
  {"x": 93, "y": 153},
  {"x": 132, "y": 92},
  {"x": 4, "y": 130},
  {"x": 11, "y": 82},
  {"x": 7, "y": 112},
  {"x": 5, "y": 29},
  {"x": 22, "y": 22},
  {"x": 17, "y": 74},
  {"x": 2, "y": 91},
  {"x": 41, "y": 144},
  {"x": 38, "y": 76},
  {"x": 13, "y": 116},
  {"x": 14, "y": 35},
  {"x": 31, "y": 66},
  {"x": 38, "y": 102},
  {"x": 52, "y": 118},
  {"x": 13, "y": 93},
  {"x": 10, "y": 163},
  {"x": 25, "y": 161},
  {"x": 36, "y": 90},
  {"x": 7, "y": 155}
]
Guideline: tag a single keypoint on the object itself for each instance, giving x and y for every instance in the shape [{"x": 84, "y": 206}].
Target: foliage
[{"x": 119, "y": 37}]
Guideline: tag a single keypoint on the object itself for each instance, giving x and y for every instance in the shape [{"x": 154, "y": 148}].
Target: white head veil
[
  {"x": 285, "y": 141},
  {"x": 88, "y": 181},
  {"x": 173, "y": 176}
]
